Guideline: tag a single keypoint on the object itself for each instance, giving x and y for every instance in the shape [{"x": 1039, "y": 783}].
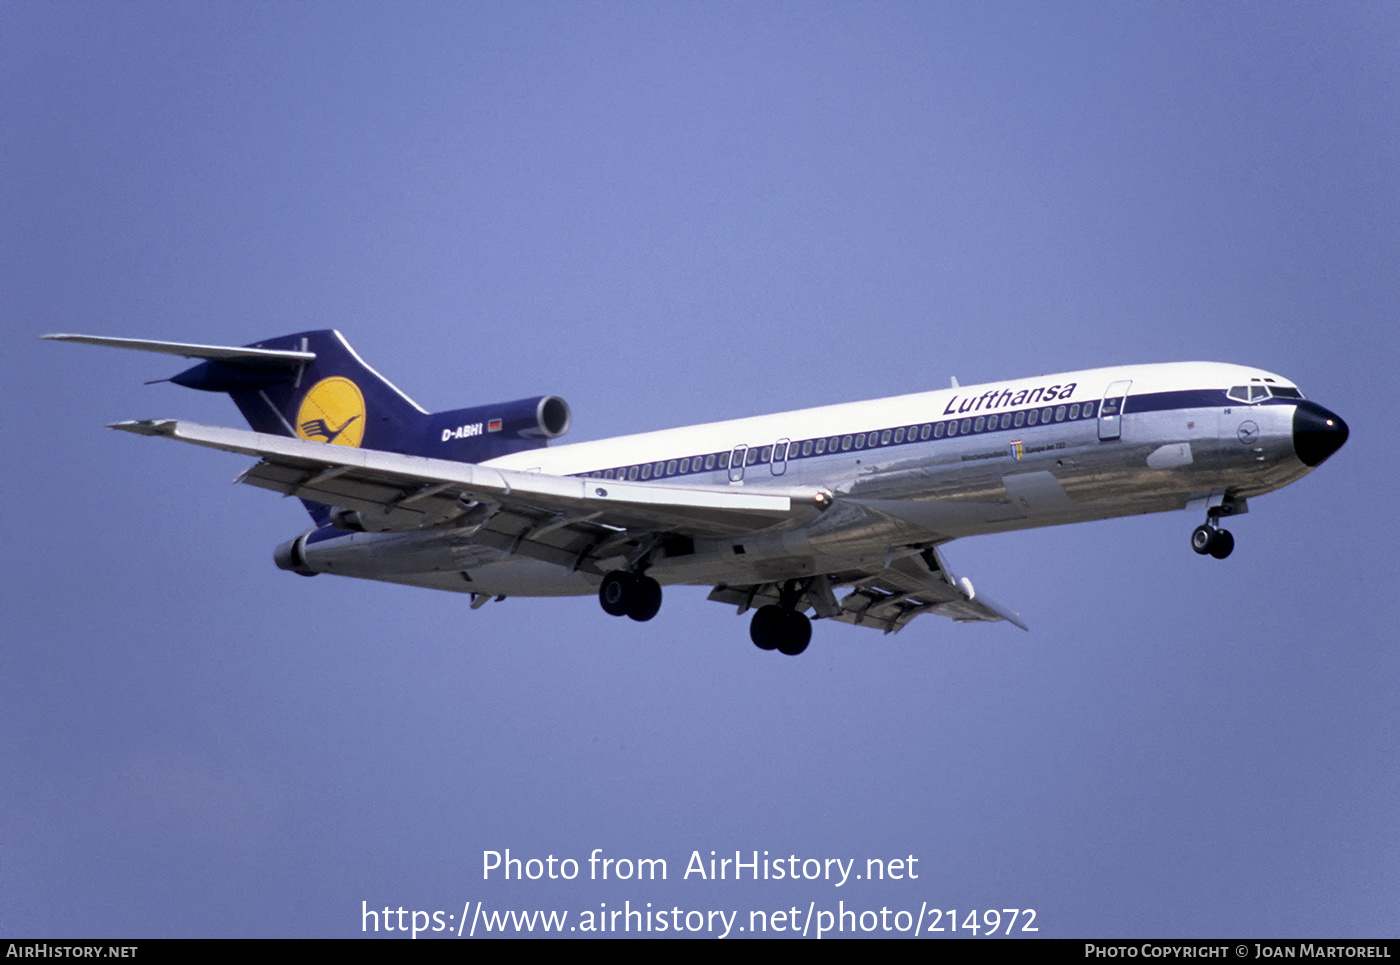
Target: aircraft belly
[
  {"x": 526, "y": 577},
  {"x": 1037, "y": 493}
]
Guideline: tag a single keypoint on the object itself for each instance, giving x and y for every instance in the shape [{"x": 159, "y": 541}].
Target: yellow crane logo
[{"x": 333, "y": 411}]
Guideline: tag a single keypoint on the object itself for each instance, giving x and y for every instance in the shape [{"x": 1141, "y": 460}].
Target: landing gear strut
[
  {"x": 630, "y": 594},
  {"x": 782, "y": 626}
]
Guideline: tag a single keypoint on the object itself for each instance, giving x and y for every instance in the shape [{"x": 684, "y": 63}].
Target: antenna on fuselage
[{"x": 955, "y": 382}]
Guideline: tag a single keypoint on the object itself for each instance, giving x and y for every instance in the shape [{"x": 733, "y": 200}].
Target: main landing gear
[
  {"x": 776, "y": 628},
  {"x": 781, "y": 626},
  {"x": 1209, "y": 538},
  {"x": 630, "y": 594}
]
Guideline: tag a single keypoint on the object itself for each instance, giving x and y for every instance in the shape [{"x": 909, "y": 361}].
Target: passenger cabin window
[{"x": 777, "y": 456}]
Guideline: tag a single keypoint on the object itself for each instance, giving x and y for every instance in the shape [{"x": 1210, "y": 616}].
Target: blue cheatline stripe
[
  {"x": 1187, "y": 399},
  {"x": 1016, "y": 420},
  {"x": 1197, "y": 399}
]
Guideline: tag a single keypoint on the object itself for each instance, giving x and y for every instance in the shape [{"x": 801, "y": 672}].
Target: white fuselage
[{"x": 906, "y": 471}]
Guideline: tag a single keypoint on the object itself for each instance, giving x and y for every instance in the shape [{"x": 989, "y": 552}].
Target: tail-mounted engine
[{"x": 486, "y": 431}]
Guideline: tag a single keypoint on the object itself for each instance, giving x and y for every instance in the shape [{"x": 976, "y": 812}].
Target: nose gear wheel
[{"x": 1208, "y": 540}]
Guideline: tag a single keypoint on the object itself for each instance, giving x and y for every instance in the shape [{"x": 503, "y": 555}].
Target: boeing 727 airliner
[{"x": 839, "y": 510}]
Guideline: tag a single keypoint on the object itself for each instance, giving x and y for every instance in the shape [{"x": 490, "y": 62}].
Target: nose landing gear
[{"x": 1210, "y": 539}]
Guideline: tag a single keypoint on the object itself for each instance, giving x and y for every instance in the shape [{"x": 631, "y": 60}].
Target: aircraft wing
[
  {"x": 887, "y": 598},
  {"x": 567, "y": 520}
]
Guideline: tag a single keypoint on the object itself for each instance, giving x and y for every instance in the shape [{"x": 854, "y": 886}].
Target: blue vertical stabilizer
[{"x": 313, "y": 386}]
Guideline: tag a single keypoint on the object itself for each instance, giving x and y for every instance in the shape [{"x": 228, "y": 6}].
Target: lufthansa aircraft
[{"x": 838, "y": 510}]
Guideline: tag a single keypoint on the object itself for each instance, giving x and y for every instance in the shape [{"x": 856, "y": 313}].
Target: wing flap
[
  {"x": 916, "y": 584},
  {"x": 887, "y": 599}
]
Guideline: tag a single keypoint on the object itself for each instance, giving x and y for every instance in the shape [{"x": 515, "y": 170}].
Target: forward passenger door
[{"x": 1111, "y": 410}]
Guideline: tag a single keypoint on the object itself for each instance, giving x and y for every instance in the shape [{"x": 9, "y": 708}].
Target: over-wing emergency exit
[{"x": 839, "y": 512}]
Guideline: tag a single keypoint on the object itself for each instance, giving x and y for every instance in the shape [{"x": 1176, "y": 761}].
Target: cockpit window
[{"x": 1258, "y": 393}]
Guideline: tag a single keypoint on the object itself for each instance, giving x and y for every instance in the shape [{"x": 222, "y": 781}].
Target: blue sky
[{"x": 671, "y": 214}]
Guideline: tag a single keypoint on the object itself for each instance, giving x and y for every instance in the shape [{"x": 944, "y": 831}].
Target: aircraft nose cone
[{"x": 1317, "y": 433}]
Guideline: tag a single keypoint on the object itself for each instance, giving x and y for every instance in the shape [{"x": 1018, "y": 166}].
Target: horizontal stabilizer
[{"x": 191, "y": 350}]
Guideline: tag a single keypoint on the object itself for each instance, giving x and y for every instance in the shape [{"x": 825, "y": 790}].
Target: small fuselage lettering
[{"x": 462, "y": 432}]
